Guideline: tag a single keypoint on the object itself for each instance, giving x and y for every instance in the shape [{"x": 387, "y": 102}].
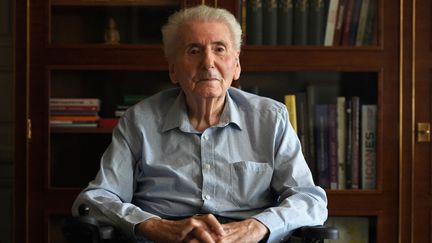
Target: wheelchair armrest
[
  {"x": 85, "y": 228},
  {"x": 317, "y": 232}
]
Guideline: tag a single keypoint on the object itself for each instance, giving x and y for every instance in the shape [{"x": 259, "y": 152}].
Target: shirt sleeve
[
  {"x": 109, "y": 195},
  {"x": 300, "y": 202}
]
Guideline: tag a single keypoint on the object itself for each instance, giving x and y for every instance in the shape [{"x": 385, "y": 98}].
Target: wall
[{"x": 6, "y": 120}]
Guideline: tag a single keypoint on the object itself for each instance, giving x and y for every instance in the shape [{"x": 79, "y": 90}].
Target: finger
[
  {"x": 213, "y": 224},
  {"x": 202, "y": 235},
  {"x": 193, "y": 223}
]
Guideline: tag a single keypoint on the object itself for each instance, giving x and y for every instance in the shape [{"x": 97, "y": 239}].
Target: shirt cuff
[
  {"x": 275, "y": 226},
  {"x": 133, "y": 219}
]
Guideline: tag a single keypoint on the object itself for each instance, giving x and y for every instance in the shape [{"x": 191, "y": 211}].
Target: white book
[
  {"x": 368, "y": 146},
  {"x": 331, "y": 22}
]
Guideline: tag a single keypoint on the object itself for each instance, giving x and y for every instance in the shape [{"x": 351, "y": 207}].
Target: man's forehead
[{"x": 205, "y": 32}]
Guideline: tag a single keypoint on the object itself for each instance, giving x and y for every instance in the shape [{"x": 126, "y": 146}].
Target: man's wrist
[
  {"x": 146, "y": 227},
  {"x": 259, "y": 228}
]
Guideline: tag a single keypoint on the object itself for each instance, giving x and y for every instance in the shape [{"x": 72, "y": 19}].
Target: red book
[{"x": 108, "y": 122}]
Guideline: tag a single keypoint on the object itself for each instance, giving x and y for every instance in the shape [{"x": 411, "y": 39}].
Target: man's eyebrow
[{"x": 223, "y": 43}]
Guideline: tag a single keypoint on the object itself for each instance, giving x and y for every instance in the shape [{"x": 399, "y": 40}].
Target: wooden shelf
[
  {"x": 81, "y": 130},
  {"x": 114, "y": 3}
]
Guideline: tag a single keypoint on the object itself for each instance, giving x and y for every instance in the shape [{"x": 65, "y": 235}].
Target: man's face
[{"x": 205, "y": 62}]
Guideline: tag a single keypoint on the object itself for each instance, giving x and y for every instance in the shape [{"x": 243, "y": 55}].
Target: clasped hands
[{"x": 203, "y": 228}]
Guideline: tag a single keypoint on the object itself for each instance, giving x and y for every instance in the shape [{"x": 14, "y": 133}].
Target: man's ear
[
  {"x": 237, "y": 70},
  {"x": 172, "y": 73}
]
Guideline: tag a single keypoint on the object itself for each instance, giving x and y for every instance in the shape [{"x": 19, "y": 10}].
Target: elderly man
[{"x": 205, "y": 162}]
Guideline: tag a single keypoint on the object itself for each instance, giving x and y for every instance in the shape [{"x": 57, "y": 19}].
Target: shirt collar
[{"x": 177, "y": 115}]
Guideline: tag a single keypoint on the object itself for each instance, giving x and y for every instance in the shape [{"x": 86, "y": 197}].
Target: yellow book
[{"x": 290, "y": 102}]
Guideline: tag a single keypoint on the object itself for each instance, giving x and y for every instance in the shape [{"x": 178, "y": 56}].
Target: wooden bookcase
[{"x": 65, "y": 57}]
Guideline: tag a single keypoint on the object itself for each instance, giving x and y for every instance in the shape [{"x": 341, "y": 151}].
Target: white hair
[{"x": 199, "y": 13}]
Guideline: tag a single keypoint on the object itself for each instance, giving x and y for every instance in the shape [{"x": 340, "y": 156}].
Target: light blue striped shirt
[{"x": 248, "y": 165}]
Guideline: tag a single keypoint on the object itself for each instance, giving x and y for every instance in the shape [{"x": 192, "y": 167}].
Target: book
[
  {"x": 107, "y": 122},
  {"x": 73, "y": 108},
  {"x": 341, "y": 148},
  {"x": 301, "y": 9},
  {"x": 73, "y": 118},
  {"x": 72, "y": 124},
  {"x": 317, "y": 94},
  {"x": 321, "y": 135},
  {"x": 332, "y": 146},
  {"x": 316, "y": 22},
  {"x": 290, "y": 103},
  {"x": 73, "y": 113},
  {"x": 355, "y": 146},
  {"x": 74, "y": 102},
  {"x": 348, "y": 144},
  {"x": 339, "y": 22},
  {"x": 254, "y": 22},
  {"x": 303, "y": 123},
  {"x": 352, "y": 35},
  {"x": 368, "y": 145},
  {"x": 285, "y": 22},
  {"x": 347, "y": 22},
  {"x": 331, "y": 22},
  {"x": 269, "y": 26},
  {"x": 371, "y": 25},
  {"x": 362, "y": 22}
]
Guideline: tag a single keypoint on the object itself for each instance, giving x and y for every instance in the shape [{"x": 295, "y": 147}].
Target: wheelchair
[{"x": 86, "y": 229}]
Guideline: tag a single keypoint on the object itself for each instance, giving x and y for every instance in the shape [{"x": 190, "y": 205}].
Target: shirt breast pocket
[{"x": 250, "y": 183}]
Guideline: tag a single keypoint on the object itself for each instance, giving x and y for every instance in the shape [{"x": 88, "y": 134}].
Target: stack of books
[{"x": 74, "y": 112}]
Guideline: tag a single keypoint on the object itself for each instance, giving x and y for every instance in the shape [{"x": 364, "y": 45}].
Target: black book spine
[
  {"x": 285, "y": 22},
  {"x": 254, "y": 22},
  {"x": 269, "y": 22}
]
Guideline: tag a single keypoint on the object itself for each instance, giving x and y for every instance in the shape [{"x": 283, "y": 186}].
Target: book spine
[
  {"x": 285, "y": 22},
  {"x": 354, "y": 22},
  {"x": 242, "y": 18},
  {"x": 269, "y": 22},
  {"x": 368, "y": 146},
  {"x": 290, "y": 103},
  {"x": 355, "y": 143},
  {"x": 301, "y": 22},
  {"x": 321, "y": 119},
  {"x": 316, "y": 22},
  {"x": 254, "y": 22},
  {"x": 74, "y": 102},
  {"x": 347, "y": 22},
  {"x": 339, "y": 22},
  {"x": 370, "y": 32},
  {"x": 332, "y": 150},
  {"x": 362, "y": 23},
  {"x": 331, "y": 22},
  {"x": 302, "y": 124},
  {"x": 73, "y": 108},
  {"x": 73, "y": 113},
  {"x": 348, "y": 143},
  {"x": 74, "y": 118},
  {"x": 341, "y": 148}
]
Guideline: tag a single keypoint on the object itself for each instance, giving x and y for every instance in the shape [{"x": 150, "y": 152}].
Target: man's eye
[
  {"x": 194, "y": 51},
  {"x": 220, "y": 49}
]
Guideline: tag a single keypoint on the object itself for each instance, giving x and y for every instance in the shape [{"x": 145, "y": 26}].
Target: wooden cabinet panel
[{"x": 73, "y": 64}]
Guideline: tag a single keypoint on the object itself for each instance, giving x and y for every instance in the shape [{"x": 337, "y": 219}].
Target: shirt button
[
  {"x": 207, "y": 197},
  {"x": 205, "y": 137},
  {"x": 207, "y": 166}
]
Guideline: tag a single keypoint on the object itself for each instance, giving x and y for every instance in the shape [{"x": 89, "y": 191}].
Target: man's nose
[{"x": 208, "y": 59}]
